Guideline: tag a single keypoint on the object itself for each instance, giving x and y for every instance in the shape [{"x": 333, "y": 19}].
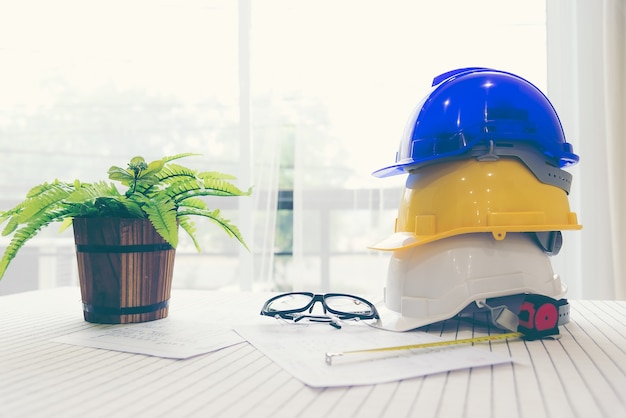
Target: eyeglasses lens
[
  {"x": 348, "y": 304},
  {"x": 289, "y": 302}
]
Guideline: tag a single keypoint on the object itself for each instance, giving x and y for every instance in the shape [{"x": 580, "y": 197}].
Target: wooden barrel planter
[{"x": 125, "y": 270}]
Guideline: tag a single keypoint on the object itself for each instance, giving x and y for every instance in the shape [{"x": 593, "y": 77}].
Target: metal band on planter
[
  {"x": 132, "y": 310},
  {"x": 118, "y": 249}
]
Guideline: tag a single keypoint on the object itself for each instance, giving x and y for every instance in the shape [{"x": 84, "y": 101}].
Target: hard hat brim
[
  {"x": 392, "y": 170},
  {"x": 394, "y": 321},
  {"x": 404, "y": 240},
  {"x": 397, "y": 241}
]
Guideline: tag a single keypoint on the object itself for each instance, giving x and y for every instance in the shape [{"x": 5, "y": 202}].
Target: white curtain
[
  {"x": 587, "y": 84},
  {"x": 343, "y": 78}
]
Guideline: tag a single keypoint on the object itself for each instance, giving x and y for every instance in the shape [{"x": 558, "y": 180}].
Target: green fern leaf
[
  {"x": 224, "y": 188},
  {"x": 216, "y": 175},
  {"x": 10, "y": 226},
  {"x": 91, "y": 192},
  {"x": 193, "y": 202},
  {"x": 65, "y": 223},
  {"x": 175, "y": 171},
  {"x": 28, "y": 231},
  {"x": 153, "y": 168},
  {"x": 187, "y": 188},
  {"x": 120, "y": 174},
  {"x": 43, "y": 188},
  {"x": 215, "y": 216},
  {"x": 179, "y": 156},
  {"x": 44, "y": 199},
  {"x": 132, "y": 208},
  {"x": 184, "y": 188},
  {"x": 168, "y": 175},
  {"x": 190, "y": 227},
  {"x": 162, "y": 213},
  {"x": 11, "y": 212}
]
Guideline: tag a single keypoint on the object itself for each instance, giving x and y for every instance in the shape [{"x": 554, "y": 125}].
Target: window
[{"x": 303, "y": 99}]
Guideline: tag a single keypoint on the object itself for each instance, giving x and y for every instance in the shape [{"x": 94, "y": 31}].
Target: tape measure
[
  {"x": 486, "y": 338},
  {"x": 539, "y": 317}
]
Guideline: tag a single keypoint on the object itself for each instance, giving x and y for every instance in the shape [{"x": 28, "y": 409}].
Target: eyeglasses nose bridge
[{"x": 320, "y": 299}]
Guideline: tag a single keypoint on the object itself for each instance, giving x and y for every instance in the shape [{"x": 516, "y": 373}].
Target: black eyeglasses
[{"x": 297, "y": 306}]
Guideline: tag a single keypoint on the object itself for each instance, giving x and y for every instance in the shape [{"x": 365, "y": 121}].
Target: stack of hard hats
[{"x": 483, "y": 208}]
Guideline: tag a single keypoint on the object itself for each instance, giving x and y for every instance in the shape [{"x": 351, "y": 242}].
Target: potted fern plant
[{"x": 125, "y": 240}]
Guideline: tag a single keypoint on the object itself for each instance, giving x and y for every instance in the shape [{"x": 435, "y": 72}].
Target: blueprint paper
[
  {"x": 300, "y": 350},
  {"x": 167, "y": 338}
]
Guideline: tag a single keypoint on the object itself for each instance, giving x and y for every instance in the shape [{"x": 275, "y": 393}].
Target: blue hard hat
[{"x": 480, "y": 106}]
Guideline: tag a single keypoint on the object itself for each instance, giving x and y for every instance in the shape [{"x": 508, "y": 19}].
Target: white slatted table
[{"x": 581, "y": 375}]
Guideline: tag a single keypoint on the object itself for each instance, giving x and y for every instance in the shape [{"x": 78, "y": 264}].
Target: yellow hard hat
[{"x": 467, "y": 196}]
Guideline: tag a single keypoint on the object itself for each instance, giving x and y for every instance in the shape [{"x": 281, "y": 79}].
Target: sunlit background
[{"x": 302, "y": 99}]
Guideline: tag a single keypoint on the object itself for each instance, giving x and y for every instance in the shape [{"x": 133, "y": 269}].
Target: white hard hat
[{"x": 437, "y": 280}]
